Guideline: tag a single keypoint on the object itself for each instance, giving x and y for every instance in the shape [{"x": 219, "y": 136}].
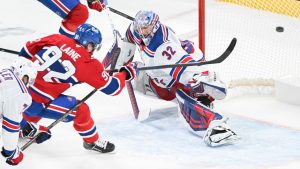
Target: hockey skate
[
  {"x": 219, "y": 133},
  {"x": 101, "y": 146}
]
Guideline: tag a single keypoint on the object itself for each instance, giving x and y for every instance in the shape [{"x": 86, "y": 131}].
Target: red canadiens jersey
[{"x": 62, "y": 63}]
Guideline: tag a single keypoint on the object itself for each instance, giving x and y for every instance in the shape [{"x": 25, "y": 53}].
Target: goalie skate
[{"x": 219, "y": 133}]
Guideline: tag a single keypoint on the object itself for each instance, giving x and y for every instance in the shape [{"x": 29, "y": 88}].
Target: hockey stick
[
  {"x": 219, "y": 59},
  {"x": 129, "y": 87},
  {"x": 71, "y": 110},
  {"x": 139, "y": 115},
  {"x": 121, "y": 13},
  {"x": 60, "y": 119},
  {"x": 9, "y": 51}
]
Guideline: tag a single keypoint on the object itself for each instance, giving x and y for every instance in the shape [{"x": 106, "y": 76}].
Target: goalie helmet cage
[{"x": 268, "y": 39}]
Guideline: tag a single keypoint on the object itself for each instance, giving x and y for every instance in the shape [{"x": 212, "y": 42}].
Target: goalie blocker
[
  {"x": 202, "y": 118},
  {"x": 124, "y": 51}
]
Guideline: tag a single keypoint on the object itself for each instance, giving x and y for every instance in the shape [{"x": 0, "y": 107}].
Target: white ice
[{"x": 269, "y": 128}]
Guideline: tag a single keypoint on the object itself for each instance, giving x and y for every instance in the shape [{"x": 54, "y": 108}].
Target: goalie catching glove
[
  {"x": 97, "y": 5},
  {"x": 33, "y": 129}
]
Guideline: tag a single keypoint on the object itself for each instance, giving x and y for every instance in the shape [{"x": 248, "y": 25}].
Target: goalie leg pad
[
  {"x": 122, "y": 50},
  {"x": 196, "y": 114},
  {"x": 113, "y": 53}
]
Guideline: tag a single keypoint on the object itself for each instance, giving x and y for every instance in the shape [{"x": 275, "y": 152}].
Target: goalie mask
[
  {"x": 146, "y": 23},
  {"x": 25, "y": 70}
]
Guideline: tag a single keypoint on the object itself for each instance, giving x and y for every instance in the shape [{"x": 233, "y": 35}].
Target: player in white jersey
[
  {"x": 14, "y": 99},
  {"x": 194, "y": 87}
]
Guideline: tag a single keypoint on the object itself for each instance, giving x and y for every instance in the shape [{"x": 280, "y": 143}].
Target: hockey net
[{"x": 262, "y": 54}]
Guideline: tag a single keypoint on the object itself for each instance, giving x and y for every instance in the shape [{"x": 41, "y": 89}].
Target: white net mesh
[{"x": 262, "y": 54}]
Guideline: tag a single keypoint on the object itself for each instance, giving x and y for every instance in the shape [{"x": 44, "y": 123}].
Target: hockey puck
[{"x": 279, "y": 29}]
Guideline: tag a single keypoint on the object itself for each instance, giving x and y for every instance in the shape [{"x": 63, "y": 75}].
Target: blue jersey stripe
[
  {"x": 180, "y": 73},
  {"x": 60, "y": 7},
  {"x": 89, "y": 132},
  {"x": 112, "y": 87},
  {"x": 171, "y": 83},
  {"x": 9, "y": 130},
  {"x": 24, "y": 53},
  {"x": 10, "y": 121}
]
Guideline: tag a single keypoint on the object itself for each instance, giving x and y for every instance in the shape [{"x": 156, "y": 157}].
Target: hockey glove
[
  {"x": 97, "y": 5},
  {"x": 13, "y": 157},
  {"x": 33, "y": 129},
  {"x": 130, "y": 70}
]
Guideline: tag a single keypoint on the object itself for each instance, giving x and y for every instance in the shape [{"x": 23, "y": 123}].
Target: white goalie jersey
[
  {"x": 14, "y": 99},
  {"x": 165, "y": 48},
  {"x": 171, "y": 52}
]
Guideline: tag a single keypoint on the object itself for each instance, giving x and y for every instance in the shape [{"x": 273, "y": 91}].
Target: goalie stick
[
  {"x": 219, "y": 59},
  {"x": 132, "y": 97},
  {"x": 111, "y": 59}
]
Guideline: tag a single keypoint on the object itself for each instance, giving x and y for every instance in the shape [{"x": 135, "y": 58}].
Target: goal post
[{"x": 201, "y": 24}]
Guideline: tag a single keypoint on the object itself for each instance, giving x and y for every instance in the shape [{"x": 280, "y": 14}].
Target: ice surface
[{"x": 269, "y": 129}]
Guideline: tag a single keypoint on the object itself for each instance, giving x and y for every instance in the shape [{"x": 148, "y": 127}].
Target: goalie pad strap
[{"x": 196, "y": 115}]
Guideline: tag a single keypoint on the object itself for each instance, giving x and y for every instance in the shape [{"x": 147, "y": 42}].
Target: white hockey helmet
[
  {"x": 146, "y": 23},
  {"x": 25, "y": 67}
]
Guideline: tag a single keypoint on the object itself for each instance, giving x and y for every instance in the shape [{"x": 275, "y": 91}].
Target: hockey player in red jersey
[
  {"x": 61, "y": 63},
  {"x": 72, "y": 12},
  {"x": 194, "y": 87},
  {"x": 14, "y": 99}
]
